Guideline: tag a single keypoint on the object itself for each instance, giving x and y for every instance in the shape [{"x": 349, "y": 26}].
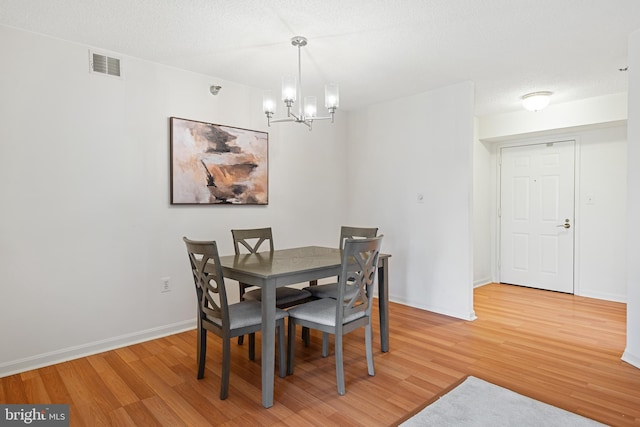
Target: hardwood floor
[{"x": 557, "y": 348}]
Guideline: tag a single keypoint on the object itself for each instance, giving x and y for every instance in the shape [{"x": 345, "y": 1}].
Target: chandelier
[{"x": 292, "y": 91}]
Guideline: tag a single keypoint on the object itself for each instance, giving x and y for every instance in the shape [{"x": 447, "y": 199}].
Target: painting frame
[{"x": 213, "y": 164}]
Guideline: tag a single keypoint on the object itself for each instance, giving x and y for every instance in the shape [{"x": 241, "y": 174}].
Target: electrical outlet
[{"x": 165, "y": 283}]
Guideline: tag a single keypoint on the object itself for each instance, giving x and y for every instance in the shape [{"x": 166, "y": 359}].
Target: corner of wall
[{"x": 632, "y": 359}]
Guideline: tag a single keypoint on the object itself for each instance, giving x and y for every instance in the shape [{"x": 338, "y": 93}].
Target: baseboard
[
  {"x": 75, "y": 352},
  {"x": 440, "y": 310},
  {"x": 603, "y": 296},
  {"x": 482, "y": 282},
  {"x": 632, "y": 359}
]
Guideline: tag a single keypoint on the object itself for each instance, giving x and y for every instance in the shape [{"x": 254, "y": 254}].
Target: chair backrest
[
  {"x": 356, "y": 233},
  {"x": 252, "y": 239},
  {"x": 360, "y": 265},
  {"x": 211, "y": 293}
]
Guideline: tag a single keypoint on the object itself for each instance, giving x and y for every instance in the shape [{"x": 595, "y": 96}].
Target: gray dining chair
[
  {"x": 329, "y": 290},
  {"x": 346, "y": 313},
  {"x": 223, "y": 319},
  {"x": 250, "y": 241}
]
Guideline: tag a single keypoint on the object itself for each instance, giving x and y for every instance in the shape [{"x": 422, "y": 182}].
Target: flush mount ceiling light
[
  {"x": 536, "y": 101},
  {"x": 292, "y": 90}
]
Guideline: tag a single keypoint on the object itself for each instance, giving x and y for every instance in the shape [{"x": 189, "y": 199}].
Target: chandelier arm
[
  {"x": 296, "y": 118},
  {"x": 288, "y": 119}
]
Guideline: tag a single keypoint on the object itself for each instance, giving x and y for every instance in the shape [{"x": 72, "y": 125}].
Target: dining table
[{"x": 271, "y": 270}]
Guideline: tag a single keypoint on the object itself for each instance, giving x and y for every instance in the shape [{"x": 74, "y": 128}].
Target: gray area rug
[{"x": 478, "y": 403}]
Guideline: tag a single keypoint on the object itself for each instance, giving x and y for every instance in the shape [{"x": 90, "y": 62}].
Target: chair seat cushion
[
  {"x": 322, "y": 311},
  {"x": 284, "y": 295},
  {"x": 330, "y": 290},
  {"x": 247, "y": 313}
]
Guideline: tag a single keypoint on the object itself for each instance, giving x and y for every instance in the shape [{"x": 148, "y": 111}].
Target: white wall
[
  {"x": 601, "y": 214},
  {"x": 421, "y": 144},
  {"x": 483, "y": 223},
  {"x": 86, "y": 229},
  {"x": 632, "y": 351}
]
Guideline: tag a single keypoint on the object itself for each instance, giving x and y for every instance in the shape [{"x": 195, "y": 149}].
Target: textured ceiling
[{"x": 375, "y": 49}]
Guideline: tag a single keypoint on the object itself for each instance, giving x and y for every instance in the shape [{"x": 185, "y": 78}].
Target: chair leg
[
  {"x": 291, "y": 348},
  {"x": 282, "y": 368},
  {"x": 339, "y": 365},
  {"x": 252, "y": 346},
  {"x": 201, "y": 355},
  {"x": 306, "y": 336},
  {"x": 369, "y": 349},
  {"x": 325, "y": 344},
  {"x": 226, "y": 367},
  {"x": 241, "y": 287}
]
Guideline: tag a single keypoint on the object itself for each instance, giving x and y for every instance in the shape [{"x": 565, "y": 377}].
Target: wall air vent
[{"x": 104, "y": 64}]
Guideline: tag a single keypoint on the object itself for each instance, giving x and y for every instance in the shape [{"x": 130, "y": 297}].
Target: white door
[{"x": 537, "y": 216}]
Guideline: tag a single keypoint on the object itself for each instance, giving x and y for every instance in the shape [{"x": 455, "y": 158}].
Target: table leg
[
  {"x": 383, "y": 302},
  {"x": 268, "y": 343}
]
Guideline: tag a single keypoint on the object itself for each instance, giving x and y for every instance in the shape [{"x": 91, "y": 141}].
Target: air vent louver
[{"x": 105, "y": 65}]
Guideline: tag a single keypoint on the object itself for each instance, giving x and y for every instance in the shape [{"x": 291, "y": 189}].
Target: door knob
[{"x": 565, "y": 225}]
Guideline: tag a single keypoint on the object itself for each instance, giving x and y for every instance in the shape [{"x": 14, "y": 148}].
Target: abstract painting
[{"x": 216, "y": 164}]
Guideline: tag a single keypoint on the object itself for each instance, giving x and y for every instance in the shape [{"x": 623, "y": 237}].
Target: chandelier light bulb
[
  {"x": 289, "y": 85},
  {"x": 331, "y": 96},
  {"x": 268, "y": 102},
  {"x": 310, "y": 107}
]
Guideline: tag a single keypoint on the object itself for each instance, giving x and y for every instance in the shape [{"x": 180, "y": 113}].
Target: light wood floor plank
[
  {"x": 35, "y": 390},
  {"x": 162, "y": 412}
]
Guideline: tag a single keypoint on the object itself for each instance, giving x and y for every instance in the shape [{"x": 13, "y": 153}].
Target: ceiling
[{"x": 376, "y": 50}]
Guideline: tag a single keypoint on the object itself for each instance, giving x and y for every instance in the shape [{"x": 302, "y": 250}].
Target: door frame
[{"x": 519, "y": 142}]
